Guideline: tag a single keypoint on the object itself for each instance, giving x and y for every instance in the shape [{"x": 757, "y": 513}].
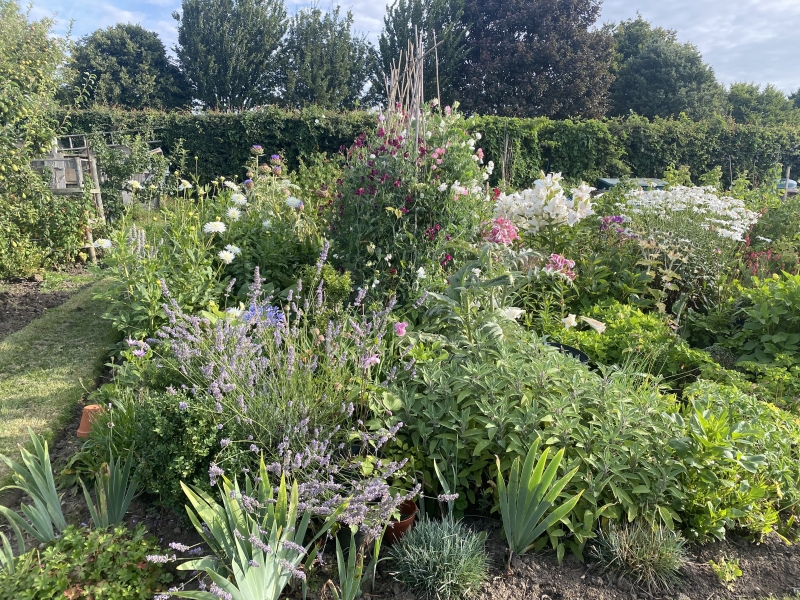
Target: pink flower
[
  {"x": 503, "y": 232},
  {"x": 400, "y": 328},
  {"x": 563, "y": 266}
]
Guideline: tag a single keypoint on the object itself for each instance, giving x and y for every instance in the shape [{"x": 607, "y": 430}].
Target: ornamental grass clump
[
  {"x": 648, "y": 556},
  {"x": 443, "y": 559}
]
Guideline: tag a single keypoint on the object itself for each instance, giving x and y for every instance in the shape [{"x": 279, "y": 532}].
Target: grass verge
[{"x": 46, "y": 367}]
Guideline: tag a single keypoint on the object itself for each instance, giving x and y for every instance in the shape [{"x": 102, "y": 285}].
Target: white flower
[
  {"x": 370, "y": 248},
  {"x": 387, "y": 258},
  {"x": 478, "y": 136},
  {"x": 185, "y": 185},
  {"x": 226, "y": 256},
  {"x": 231, "y": 185},
  {"x": 476, "y": 272},
  {"x": 267, "y": 224},
  {"x": 135, "y": 185},
  {"x": 233, "y": 213},
  {"x": 428, "y": 135},
  {"x": 376, "y": 282},
  {"x": 238, "y": 199},
  {"x": 490, "y": 167},
  {"x": 569, "y": 321},
  {"x": 513, "y": 313},
  {"x": 763, "y": 239},
  {"x": 233, "y": 312},
  {"x": 442, "y": 187},
  {"x": 293, "y": 202},
  {"x": 372, "y": 156},
  {"x": 598, "y": 326},
  {"x": 214, "y": 227},
  {"x": 316, "y": 121},
  {"x": 235, "y": 250},
  {"x": 103, "y": 243},
  {"x": 421, "y": 273}
]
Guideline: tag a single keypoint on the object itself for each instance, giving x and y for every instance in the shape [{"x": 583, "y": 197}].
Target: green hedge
[{"x": 585, "y": 149}]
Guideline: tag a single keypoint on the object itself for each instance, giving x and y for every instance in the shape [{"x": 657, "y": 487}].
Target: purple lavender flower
[
  {"x": 225, "y": 442},
  {"x": 214, "y": 472},
  {"x": 160, "y": 558},
  {"x": 179, "y": 547},
  {"x": 183, "y": 405}
]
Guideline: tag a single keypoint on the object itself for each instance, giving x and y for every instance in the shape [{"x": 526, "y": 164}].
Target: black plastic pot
[{"x": 573, "y": 352}]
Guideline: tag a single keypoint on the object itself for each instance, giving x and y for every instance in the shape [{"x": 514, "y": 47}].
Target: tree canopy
[
  {"x": 655, "y": 75},
  {"x": 433, "y": 19},
  {"x": 322, "y": 61},
  {"x": 130, "y": 69},
  {"x": 228, "y": 50},
  {"x": 748, "y": 103},
  {"x": 535, "y": 58}
]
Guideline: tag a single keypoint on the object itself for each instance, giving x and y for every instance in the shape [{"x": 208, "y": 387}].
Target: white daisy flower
[
  {"x": 214, "y": 227},
  {"x": 226, "y": 256},
  {"x": 233, "y": 213}
]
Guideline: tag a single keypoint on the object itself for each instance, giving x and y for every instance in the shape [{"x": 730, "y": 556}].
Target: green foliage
[
  {"x": 463, "y": 408},
  {"x": 84, "y": 563},
  {"x": 646, "y": 555},
  {"x": 34, "y": 477},
  {"x": 272, "y": 519},
  {"x": 171, "y": 445},
  {"x": 350, "y": 571},
  {"x": 727, "y": 570},
  {"x": 322, "y": 62},
  {"x": 228, "y": 50},
  {"x": 740, "y": 455},
  {"x": 632, "y": 336},
  {"x": 35, "y": 227},
  {"x": 658, "y": 76},
  {"x": 114, "y": 490},
  {"x": 748, "y": 103},
  {"x": 441, "y": 559},
  {"x": 770, "y": 333},
  {"x": 525, "y": 503},
  {"x": 130, "y": 69},
  {"x": 529, "y": 59}
]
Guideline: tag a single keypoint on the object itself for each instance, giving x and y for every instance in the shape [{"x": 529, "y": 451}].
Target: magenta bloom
[
  {"x": 558, "y": 264},
  {"x": 503, "y": 232},
  {"x": 400, "y": 328}
]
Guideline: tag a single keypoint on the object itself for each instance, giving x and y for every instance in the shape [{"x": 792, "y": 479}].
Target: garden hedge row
[{"x": 585, "y": 149}]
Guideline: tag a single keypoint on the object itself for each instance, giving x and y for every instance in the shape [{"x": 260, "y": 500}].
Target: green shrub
[
  {"x": 86, "y": 563},
  {"x": 646, "y": 555},
  {"x": 632, "y": 336},
  {"x": 441, "y": 559},
  {"x": 740, "y": 456},
  {"x": 172, "y": 445},
  {"x": 770, "y": 333},
  {"x": 463, "y": 408}
]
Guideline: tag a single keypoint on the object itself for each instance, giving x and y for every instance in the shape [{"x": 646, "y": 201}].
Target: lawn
[{"x": 48, "y": 366}]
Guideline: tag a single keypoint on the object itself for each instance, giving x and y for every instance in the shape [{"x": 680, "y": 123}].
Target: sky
[{"x": 743, "y": 40}]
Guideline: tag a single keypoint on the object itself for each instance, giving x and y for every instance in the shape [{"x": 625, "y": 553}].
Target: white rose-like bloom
[
  {"x": 490, "y": 167},
  {"x": 267, "y": 224},
  {"x": 442, "y": 187},
  {"x": 231, "y": 185},
  {"x": 235, "y": 250},
  {"x": 103, "y": 243},
  {"x": 569, "y": 321},
  {"x": 421, "y": 273},
  {"x": 226, "y": 256},
  {"x": 238, "y": 199},
  {"x": 135, "y": 185},
  {"x": 233, "y": 213},
  {"x": 478, "y": 136},
  {"x": 513, "y": 313},
  {"x": 293, "y": 202},
  {"x": 214, "y": 227}
]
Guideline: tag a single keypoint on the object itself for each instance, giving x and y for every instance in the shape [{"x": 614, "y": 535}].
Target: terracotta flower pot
[
  {"x": 397, "y": 529},
  {"x": 90, "y": 413}
]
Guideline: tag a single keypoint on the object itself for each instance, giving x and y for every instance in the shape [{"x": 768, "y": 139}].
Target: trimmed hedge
[{"x": 633, "y": 146}]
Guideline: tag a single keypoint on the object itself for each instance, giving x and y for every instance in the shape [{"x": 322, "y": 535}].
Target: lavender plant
[{"x": 276, "y": 376}]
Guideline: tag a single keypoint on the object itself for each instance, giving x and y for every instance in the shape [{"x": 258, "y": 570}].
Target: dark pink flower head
[
  {"x": 563, "y": 266},
  {"x": 503, "y": 232}
]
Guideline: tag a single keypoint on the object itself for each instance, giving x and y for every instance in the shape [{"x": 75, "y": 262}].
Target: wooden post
[
  {"x": 98, "y": 199},
  {"x": 786, "y": 185},
  {"x": 90, "y": 240}
]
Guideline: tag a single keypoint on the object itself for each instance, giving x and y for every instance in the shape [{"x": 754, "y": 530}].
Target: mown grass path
[{"x": 46, "y": 368}]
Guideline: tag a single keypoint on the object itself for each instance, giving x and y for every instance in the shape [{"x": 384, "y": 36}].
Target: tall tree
[
  {"x": 658, "y": 76},
  {"x": 228, "y": 50},
  {"x": 322, "y": 61},
  {"x": 535, "y": 57},
  {"x": 131, "y": 69},
  {"x": 748, "y": 103},
  {"x": 433, "y": 19}
]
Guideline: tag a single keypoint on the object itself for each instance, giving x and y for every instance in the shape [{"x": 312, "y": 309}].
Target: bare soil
[{"x": 22, "y": 301}]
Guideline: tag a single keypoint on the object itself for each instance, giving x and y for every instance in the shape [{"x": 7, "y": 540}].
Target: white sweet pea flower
[{"x": 442, "y": 187}]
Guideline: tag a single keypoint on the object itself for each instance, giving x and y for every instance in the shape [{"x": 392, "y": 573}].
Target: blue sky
[{"x": 744, "y": 40}]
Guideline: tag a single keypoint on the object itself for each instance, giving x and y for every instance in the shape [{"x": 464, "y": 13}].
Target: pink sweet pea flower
[{"x": 400, "y": 328}]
